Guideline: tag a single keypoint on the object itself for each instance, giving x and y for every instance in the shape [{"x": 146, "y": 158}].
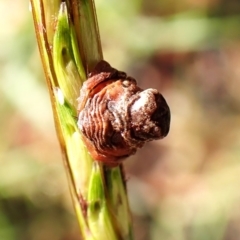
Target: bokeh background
[{"x": 184, "y": 187}]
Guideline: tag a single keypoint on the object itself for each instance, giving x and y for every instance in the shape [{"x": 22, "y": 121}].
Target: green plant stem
[{"x": 69, "y": 44}]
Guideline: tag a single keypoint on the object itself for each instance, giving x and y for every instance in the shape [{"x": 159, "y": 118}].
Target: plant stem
[{"x": 69, "y": 44}]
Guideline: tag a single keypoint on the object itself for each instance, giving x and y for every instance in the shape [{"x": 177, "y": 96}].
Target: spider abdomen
[{"x": 117, "y": 117}]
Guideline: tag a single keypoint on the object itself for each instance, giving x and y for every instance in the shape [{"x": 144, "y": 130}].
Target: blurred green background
[{"x": 185, "y": 187}]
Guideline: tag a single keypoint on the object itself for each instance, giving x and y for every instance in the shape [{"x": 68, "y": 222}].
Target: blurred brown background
[{"x": 185, "y": 187}]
